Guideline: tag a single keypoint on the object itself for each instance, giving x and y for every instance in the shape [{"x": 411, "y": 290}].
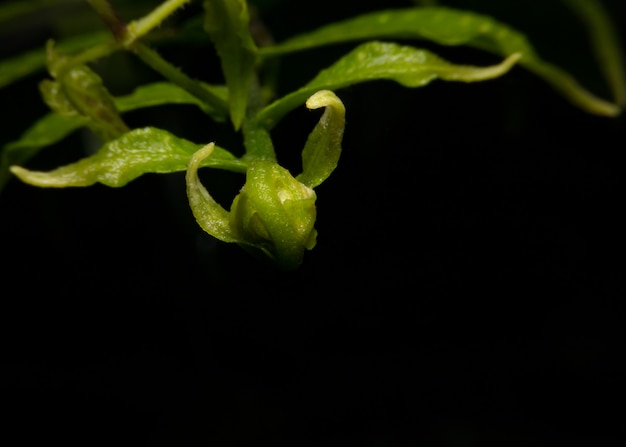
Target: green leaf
[
  {"x": 370, "y": 61},
  {"x": 605, "y": 43},
  {"x": 323, "y": 146},
  {"x": 25, "y": 64},
  {"x": 15, "y": 10},
  {"x": 159, "y": 93},
  {"x": 45, "y": 131},
  {"x": 227, "y": 22},
  {"x": 79, "y": 91},
  {"x": 18, "y": 9},
  {"x": 447, "y": 26},
  {"x": 53, "y": 127},
  {"x": 209, "y": 214},
  {"x": 141, "y": 151}
]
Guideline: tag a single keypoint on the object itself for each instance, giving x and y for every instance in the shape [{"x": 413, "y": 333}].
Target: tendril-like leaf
[
  {"x": 382, "y": 60},
  {"x": 447, "y": 26},
  {"x": 605, "y": 44}
]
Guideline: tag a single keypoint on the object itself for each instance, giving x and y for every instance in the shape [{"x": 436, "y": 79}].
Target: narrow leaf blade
[
  {"x": 448, "y": 26},
  {"x": 141, "y": 151},
  {"x": 52, "y": 128},
  {"x": 370, "y": 61},
  {"x": 34, "y": 61},
  {"x": 227, "y": 23},
  {"x": 160, "y": 93}
]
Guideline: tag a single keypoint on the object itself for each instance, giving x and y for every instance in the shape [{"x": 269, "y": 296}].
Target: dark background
[{"x": 466, "y": 289}]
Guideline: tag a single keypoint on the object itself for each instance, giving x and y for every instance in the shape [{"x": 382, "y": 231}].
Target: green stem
[
  {"x": 605, "y": 41},
  {"x": 143, "y": 26},
  {"x": 108, "y": 16},
  {"x": 257, "y": 141},
  {"x": 170, "y": 72},
  {"x": 256, "y": 138},
  {"x": 571, "y": 89},
  {"x": 94, "y": 53}
]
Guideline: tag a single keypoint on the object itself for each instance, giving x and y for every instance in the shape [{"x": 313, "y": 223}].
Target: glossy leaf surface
[
  {"x": 141, "y": 151},
  {"x": 371, "y": 61},
  {"x": 53, "y": 127},
  {"x": 447, "y": 26}
]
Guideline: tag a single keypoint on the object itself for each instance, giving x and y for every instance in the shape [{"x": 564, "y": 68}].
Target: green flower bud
[{"x": 274, "y": 213}]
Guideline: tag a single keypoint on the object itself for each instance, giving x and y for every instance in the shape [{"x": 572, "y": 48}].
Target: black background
[{"x": 466, "y": 289}]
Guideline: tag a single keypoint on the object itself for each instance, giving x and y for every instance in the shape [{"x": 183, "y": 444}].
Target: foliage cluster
[{"x": 274, "y": 213}]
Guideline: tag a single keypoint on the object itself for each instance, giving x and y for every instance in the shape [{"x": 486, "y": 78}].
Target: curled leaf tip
[
  {"x": 511, "y": 60},
  {"x": 51, "y": 179},
  {"x": 492, "y": 71},
  {"x": 23, "y": 174},
  {"x": 325, "y": 98},
  {"x": 209, "y": 214},
  {"x": 321, "y": 152}
]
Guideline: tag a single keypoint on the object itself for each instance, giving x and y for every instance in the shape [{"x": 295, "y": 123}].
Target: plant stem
[
  {"x": 141, "y": 27},
  {"x": 257, "y": 141},
  {"x": 127, "y": 37},
  {"x": 94, "y": 53},
  {"x": 108, "y": 16},
  {"x": 170, "y": 72},
  {"x": 606, "y": 46}
]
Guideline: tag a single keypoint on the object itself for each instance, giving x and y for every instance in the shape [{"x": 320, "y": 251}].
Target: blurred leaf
[
  {"x": 14, "y": 10},
  {"x": 605, "y": 44},
  {"x": 18, "y": 67}
]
